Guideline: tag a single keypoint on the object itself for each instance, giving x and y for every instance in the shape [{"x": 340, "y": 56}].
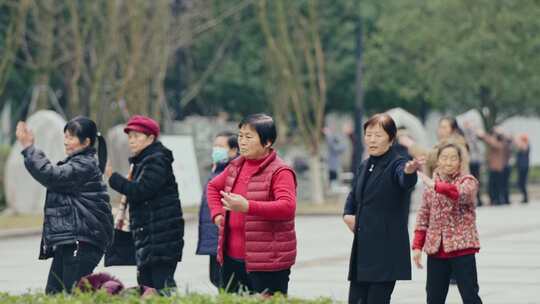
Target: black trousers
[
  {"x": 235, "y": 279},
  {"x": 523, "y": 173},
  {"x": 371, "y": 292},
  {"x": 475, "y": 171},
  {"x": 438, "y": 277},
  {"x": 214, "y": 271},
  {"x": 505, "y": 182},
  {"x": 70, "y": 263},
  {"x": 495, "y": 187},
  {"x": 159, "y": 276},
  {"x": 332, "y": 175}
]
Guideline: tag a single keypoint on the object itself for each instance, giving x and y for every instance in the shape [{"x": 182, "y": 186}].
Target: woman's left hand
[
  {"x": 414, "y": 165},
  {"x": 234, "y": 202}
]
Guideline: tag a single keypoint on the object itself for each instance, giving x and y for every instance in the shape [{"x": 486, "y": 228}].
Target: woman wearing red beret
[{"x": 155, "y": 212}]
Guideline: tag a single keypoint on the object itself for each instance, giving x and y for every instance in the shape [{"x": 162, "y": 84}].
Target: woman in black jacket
[
  {"x": 78, "y": 224},
  {"x": 225, "y": 149},
  {"x": 376, "y": 212},
  {"x": 155, "y": 212}
]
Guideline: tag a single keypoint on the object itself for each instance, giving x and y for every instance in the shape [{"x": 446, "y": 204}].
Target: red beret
[{"x": 142, "y": 124}]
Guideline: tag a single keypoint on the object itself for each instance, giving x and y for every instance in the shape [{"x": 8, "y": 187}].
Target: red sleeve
[
  {"x": 447, "y": 189},
  {"x": 419, "y": 239},
  {"x": 213, "y": 196},
  {"x": 284, "y": 207}
]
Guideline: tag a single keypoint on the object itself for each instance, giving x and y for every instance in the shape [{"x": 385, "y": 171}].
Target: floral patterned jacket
[{"x": 452, "y": 222}]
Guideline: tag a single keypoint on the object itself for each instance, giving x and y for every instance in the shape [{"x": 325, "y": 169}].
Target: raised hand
[
  {"x": 24, "y": 135},
  {"x": 234, "y": 202},
  {"x": 414, "y": 165}
]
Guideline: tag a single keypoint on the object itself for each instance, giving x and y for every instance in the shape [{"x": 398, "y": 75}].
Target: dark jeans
[
  {"x": 475, "y": 171},
  {"x": 215, "y": 271},
  {"x": 523, "y": 173},
  {"x": 159, "y": 276},
  {"x": 495, "y": 187},
  {"x": 371, "y": 292},
  {"x": 235, "y": 279},
  {"x": 438, "y": 276},
  {"x": 70, "y": 263}
]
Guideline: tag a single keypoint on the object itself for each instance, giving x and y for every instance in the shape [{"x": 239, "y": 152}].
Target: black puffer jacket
[
  {"x": 154, "y": 206},
  {"x": 77, "y": 204}
]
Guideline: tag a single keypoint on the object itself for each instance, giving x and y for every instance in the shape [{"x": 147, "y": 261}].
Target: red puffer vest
[{"x": 270, "y": 244}]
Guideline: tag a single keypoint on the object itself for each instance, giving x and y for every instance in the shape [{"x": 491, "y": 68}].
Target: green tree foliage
[{"x": 458, "y": 54}]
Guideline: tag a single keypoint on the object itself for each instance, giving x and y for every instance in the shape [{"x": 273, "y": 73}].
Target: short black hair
[
  {"x": 264, "y": 126},
  {"x": 232, "y": 139},
  {"x": 385, "y": 121}
]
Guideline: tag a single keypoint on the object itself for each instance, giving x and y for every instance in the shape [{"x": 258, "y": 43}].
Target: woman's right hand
[
  {"x": 108, "y": 170},
  {"x": 24, "y": 135},
  {"x": 417, "y": 258},
  {"x": 218, "y": 220},
  {"x": 428, "y": 182},
  {"x": 350, "y": 220}
]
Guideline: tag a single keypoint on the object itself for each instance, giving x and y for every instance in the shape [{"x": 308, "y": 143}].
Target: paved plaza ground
[{"x": 508, "y": 263}]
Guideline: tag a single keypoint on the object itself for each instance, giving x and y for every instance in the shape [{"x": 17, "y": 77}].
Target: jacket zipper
[
  {"x": 43, "y": 227},
  {"x": 76, "y": 232}
]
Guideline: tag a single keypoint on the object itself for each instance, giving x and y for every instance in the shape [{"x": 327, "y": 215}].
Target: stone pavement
[{"x": 508, "y": 263}]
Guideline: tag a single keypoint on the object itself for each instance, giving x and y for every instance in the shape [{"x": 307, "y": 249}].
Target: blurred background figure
[
  {"x": 336, "y": 146},
  {"x": 508, "y": 144},
  {"x": 496, "y": 160},
  {"x": 448, "y": 131},
  {"x": 476, "y": 154},
  {"x": 522, "y": 164},
  {"x": 224, "y": 150}
]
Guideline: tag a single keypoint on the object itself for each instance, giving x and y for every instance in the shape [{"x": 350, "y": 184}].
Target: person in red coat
[
  {"x": 446, "y": 229},
  {"x": 253, "y": 202}
]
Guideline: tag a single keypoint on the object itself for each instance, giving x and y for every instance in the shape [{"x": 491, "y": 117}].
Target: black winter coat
[
  {"x": 155, "y": 212},
  {"x": 380, "y": 251},
  {"x": 77, "y": 203},
  {"x": 208, "y": 231}
]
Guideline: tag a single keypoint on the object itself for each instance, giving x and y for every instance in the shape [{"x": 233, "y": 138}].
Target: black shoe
[{"x": 453, "y": 281}]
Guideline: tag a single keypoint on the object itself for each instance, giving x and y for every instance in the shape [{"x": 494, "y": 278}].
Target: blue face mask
[{"x": 219, "y": 155}]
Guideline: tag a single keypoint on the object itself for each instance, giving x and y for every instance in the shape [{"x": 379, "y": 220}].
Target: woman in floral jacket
[{"x": 446, "y": 229}]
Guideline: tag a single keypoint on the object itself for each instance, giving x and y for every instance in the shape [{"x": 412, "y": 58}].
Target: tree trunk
[
  {"x": 359, "y": 103},
  {"x": 317, "y": 195}
]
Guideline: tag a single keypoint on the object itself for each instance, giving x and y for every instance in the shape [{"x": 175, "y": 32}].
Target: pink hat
[{"x": 142, "y": 124}]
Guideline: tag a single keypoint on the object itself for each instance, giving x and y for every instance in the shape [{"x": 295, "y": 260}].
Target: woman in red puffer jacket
[{"x": 253, "y": 202}]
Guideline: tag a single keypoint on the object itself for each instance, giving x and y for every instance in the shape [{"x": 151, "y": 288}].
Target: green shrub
[
  {"x": 192, "y": 298},
  {"x": 4, "y": 152}
]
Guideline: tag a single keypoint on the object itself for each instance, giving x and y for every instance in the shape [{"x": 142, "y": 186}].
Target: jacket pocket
[{"x": 60, "y": 220}]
